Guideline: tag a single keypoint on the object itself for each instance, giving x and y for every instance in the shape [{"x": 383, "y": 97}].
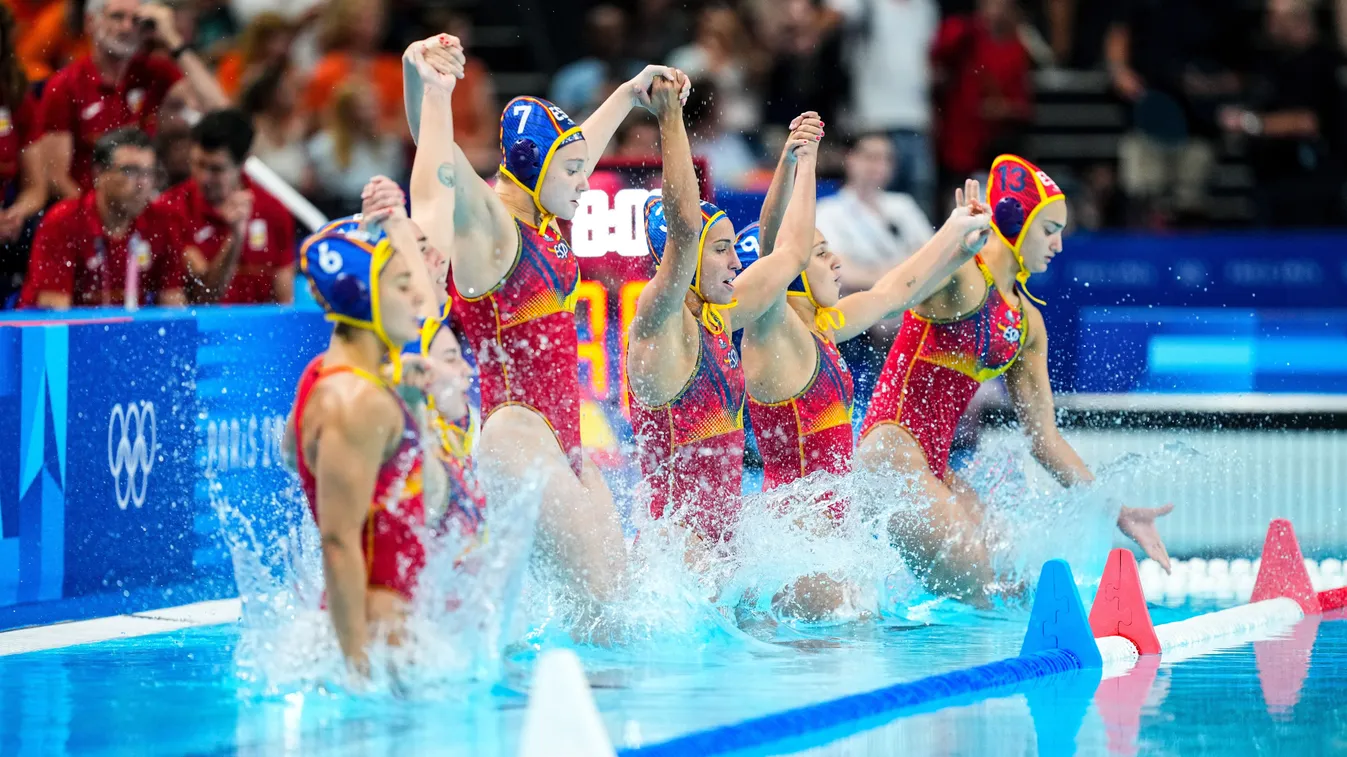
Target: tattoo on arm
[
  {"x": 911, "y": 282},
  {"x": 445, "y": 173}
]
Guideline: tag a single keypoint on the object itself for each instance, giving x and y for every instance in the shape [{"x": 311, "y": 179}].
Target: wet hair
[
  {"x": 228, "y": 129},
  {"x": 107, "y": 145}
]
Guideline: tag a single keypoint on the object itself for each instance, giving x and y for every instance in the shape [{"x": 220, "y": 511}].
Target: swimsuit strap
[{"x": 326, "y": 371}]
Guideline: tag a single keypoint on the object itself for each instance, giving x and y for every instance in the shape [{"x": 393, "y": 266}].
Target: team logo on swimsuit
[
  {"x": 842, "y": 364},
  {"x": 731, "y": 357},
  {"x": 562, "y": 250},
  {"x": 1011, "y": 331}
]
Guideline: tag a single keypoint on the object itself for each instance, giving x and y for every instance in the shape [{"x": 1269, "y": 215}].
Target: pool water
[{"x": 178, "y": 693}]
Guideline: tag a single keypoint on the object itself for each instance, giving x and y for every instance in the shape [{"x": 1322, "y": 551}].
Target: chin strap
[{"x": 713, "y": 317}]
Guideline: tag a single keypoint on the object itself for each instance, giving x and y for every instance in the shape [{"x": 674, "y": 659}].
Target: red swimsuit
[
  {"x": 523, "y": 332},
  {"x": 692, "y": 447},
  {"x": 394, "y": 553},
  {"x": 810, "y": 431},
  {"x": 935, "y": 367}
]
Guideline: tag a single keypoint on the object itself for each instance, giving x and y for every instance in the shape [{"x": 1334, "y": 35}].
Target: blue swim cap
[
  {"x": 749, "y": 246},
  {"x": 342, "y": 262},
  {"x": 429, "y": 329},
  {"x": 657, "y": 236},
  {"x": 531, "y": 131}
]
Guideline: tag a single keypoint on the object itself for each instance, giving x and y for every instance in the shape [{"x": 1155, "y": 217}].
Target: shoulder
[
  {"x": 1033, "y": 320},
  {"x": 62, "y": 212},
  {"x": 172, "y": 199},
  {"x": 266, "y": 205},
  {"x": 355, "y": 407}
]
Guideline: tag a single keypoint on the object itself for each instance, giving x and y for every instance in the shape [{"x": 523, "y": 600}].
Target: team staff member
[
  {"x": 84, "y": 247},
  {"x": 117, "y": 84},
  {"x": 239, "y": 240}
]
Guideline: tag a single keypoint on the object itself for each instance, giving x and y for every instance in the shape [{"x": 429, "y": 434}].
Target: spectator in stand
[
  {"x": 1294, "y": 122},
  {"x": 888, "y": 55},
  {"x": 117, "y": 84},
  {"x": 350, "y": 34},
  {"x": 239, "y": 240},
  {"x": 660, "y": 27},
  {"x": 982, "y": 71},
  {"x": 173, "y": 146},
  {"x": 581, "y": 85},
  {"x": 21, "y": 169},
  {"x": 52, "y": 39},
  {"x": 476, "y": 115},
  {"x": 637, "y": 138},
  {"x": 723, "y": 54},
  {"x": 350, "y": 150},
  {"x": 1172, "y": 60},
  {"x": 870, "y": 229},
  {"x": 265, "y": 43},
  {"x": 272, "y": 103},
  {"x": 806, "y": 72},
  {"x": 109, "y": 246},
  {"x": 729, "y": 158}
]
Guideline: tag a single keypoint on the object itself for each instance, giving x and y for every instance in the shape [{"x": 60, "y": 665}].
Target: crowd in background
[{"x": 927, "y": 90}]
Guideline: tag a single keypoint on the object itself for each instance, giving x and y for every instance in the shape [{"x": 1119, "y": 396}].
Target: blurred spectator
[
  {"x": 637, "y": 138},
  {"x": 806, "y": 71},
  {"x": 216, "y": 28},
  {"x": 727, "y": 154},
  {"x": 722, "y": 53},
  {"x": 984, "y": 100},
  {"x": 581, "y": 84},
  {"x": 239, "y": 240},
  {"x": 173, "y": 146},
  {"x": 1171, "y": 60},
  {"x": 871, "y": 229},
  {"x": 659, "y": 27},
  {"x": 272, "y": 102},
  {"x": 350, "y": 34},
  {"x": 888, "y": 51},
  {"x": 350, "y": 150},
  {"x": 264, "y": 43},
  {"x": 53, "y": 38},
  {"x": 1076, "y": 31},
  {"x": 1294, "y": 122},
  {"x": 117, "y": 84},
  {"x": 109, "y": 246},
  {"x": 23, "y": 187},
  {"x": 476, "y": 115}
]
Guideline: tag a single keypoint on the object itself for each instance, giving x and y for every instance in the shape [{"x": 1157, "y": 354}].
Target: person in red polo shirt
[
  {"x": 109, "y": 246},
  {"x": 240, "y": 241},
  {"x": 117, "y": 84}
]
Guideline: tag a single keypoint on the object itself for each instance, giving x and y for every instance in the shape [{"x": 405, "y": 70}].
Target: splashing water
[{"x": 457, "y": 624}]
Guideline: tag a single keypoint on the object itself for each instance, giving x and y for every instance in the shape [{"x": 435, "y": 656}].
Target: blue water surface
[{"x": 179, "y": 693}]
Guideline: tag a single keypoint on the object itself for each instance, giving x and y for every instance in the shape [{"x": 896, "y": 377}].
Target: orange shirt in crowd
[
  {"x": 229, "y": 73},
  {"x": 384, "y": 72},
  {"x": 45, "y": 44}
]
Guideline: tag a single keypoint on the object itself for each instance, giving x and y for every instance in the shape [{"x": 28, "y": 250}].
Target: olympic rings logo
[{"x": 130, "y": 452}]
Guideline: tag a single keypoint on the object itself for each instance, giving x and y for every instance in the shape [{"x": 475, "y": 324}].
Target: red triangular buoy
[
  {"x": 1120, "y": 606},
  {"x": 1283, "y": 573}
]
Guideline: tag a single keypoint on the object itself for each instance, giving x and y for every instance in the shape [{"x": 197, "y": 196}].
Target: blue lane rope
[
  {"x": 1058, "y": 640},
  {"x": 788, "y": 724}
]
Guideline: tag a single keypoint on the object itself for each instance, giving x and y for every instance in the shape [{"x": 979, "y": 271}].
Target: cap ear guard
[
  {"x": 524, "y": 160},
  {"x": 1009, "y": 217}
]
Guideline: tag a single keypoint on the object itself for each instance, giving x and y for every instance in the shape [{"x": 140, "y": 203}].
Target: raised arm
[
  {"x": 395, "y": 223},
  {"x": 439, "y": 67},
  {"x": 1030, "y": 390},
  {"x": 472, "y": 226},
  {"x": 603, "y": 123},
  {"x": 783, "y": 184},
  {"x": 660, "y": 306},
  {"x": 926, "y": 271},
  {"x": 762, "y": 286}
]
